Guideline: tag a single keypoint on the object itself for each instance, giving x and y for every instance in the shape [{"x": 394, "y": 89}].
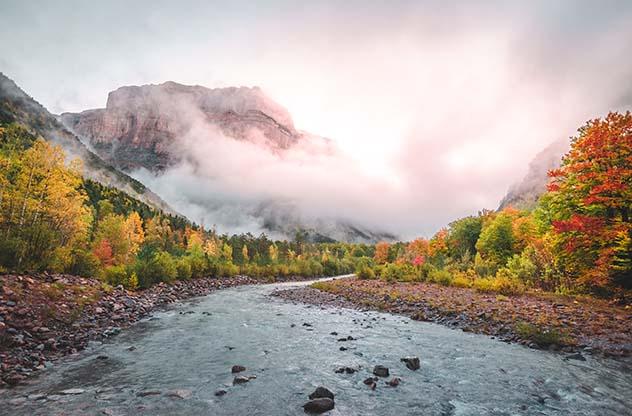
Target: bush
[
  {"x": 84, "y": 263},
  {"x": 160, "y": 268},
  {"x": 365, "y": 272},
  {"x": 116, "y": 275},
  {"x": 460, "y": 280},
  {"x": 499, "y": 284},
  {"x": 183, "y": 268},
  {"x": 440, "y": 276},
  {"x": 542, "y": 337},
  {"x": 393, "y": 272}
]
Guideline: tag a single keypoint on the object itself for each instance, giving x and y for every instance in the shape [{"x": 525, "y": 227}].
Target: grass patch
[{"x": 540, "y": 336}]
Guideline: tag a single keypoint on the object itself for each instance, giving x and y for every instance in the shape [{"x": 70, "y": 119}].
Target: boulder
[
  {"x": 321, "y": 392},
  {"x": 381, "y": 371},
  {"x": 237, "y": 369},
  {"x": 320, "y": 405}
]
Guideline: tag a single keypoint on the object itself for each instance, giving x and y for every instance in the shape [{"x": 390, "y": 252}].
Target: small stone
[
  {"x": 348, "y": 370},
  {"x": 237, "y": 369},
  {"x": 333, "y": 333},
  {"x": 321, "y": 405},
  {"x": 370, "y": 380},
  {"x": 343, "y": 348},
  {"x": 394, "y": 382},
  {"x": 36, "y": 396},
  {"x": 381, "y": 371},
  {"x": 321, "y": 392},
  {"x": 411, "y": 362},
  {"x": 240, "y": 380},
  {"x": 220, "y": 393},
  {"x": 102, "y": 357},
  {"x": 578, "y": 356}
]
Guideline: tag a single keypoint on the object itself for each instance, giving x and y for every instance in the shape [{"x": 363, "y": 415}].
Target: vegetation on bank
[{"x": 578, "y": 239}]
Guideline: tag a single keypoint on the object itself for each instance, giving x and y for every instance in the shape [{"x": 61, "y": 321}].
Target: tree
[
  {"x": 381, "y": 252},
  {"x": 591, "y": 203},
  {"x": 496, "y": 242},
  {"x": 463, "y": 235}
]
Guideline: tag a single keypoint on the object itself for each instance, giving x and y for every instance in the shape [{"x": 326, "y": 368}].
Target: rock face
[
  {"x": 525, "y": 194},
  {"x": 141, "y": 126}
]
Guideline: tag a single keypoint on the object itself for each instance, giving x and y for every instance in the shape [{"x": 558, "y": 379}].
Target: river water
[{"x": 192, "y": 346}]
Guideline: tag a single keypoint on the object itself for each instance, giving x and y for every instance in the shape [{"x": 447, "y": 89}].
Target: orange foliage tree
[
  {"x": 381, "y": 252},
  {"x": 591, "y": 203}
]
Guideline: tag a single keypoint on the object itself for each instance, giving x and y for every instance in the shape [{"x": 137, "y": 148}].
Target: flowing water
[{"x": 192, "y": 346}]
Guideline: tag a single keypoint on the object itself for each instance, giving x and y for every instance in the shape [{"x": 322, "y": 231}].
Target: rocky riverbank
[
  {"x": 45, "y": 317},
  {"x": 573, "y": 325}
]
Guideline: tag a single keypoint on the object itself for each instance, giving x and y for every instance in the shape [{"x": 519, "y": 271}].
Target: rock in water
[
  {"x": 219, "y": 393},
  {"x": 240, "y": 380},
  {"x": 321, "y": 392},
  {"x": 320, "y": 405},
  {"x": 411, "y": 362},
  {"x": 72, "y": 391},
  {"x": 381, "y": 371},
  {"x": 394, "y": 382},
  {"x": 238, "y": 369}
]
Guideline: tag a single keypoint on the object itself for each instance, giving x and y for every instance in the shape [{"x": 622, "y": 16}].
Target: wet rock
[
  {"x": 347, "y": 370},
  {"x": 148, "y": 393},
  {"x": 180, "y": 394},
  {"x": 334, "y": 333},
  {"x": 381, "y": 371},
  {"x": 240, "y": 380},
  {"x": 318, "y": 406},
  {"x": 321, "y": 392},
  {"x": 36, "y": 396},
  {"x": 237, "y": 369},
  {"x": 220, "y": 393},
  {"x": 69, "y": 392},
  {"x": 411, "y": 362},
  {"x": 343, "y": 348},
  {"x": 102, "y": 357},
  {"x": 394, "y": 382}
]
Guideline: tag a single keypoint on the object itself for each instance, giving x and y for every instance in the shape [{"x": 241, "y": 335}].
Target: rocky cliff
[
  {"x": 525, "y": 194},
  {"x": 141, "y": 126}
]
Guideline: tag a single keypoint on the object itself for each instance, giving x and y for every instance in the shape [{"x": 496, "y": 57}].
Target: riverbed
[{"x": 174, "y": 363}]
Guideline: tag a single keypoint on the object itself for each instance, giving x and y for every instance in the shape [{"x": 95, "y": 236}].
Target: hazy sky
[{"x": 447, "y": 103}]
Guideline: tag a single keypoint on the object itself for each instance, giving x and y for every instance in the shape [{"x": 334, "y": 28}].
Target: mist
[{"x": 433, "y": 111}]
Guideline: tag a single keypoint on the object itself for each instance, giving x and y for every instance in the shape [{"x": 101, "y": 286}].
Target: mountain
[
  {"x": 525, "y": 194},
  {"x": 152, "y": 131},
  {"x": 17, "y": 106},
  {"x": 141, "y": 126}
]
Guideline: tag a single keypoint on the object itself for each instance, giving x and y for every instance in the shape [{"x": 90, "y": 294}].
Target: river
[{"x": 191, "y": 347}]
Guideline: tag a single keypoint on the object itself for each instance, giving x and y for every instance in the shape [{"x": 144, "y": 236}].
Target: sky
[{"x": 443, "y": 104}]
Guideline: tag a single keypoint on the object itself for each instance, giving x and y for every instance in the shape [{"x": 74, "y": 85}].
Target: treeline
[
  {"x": 52, "y": 219},
  {"x": 578, "y": 238}
]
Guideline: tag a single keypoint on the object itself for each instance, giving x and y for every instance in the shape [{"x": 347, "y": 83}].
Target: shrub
[
  {"x": 115, "y": 275},
  {"x": 365, "y": 272},
  {"x": 500, "y": 284},
  {"x": 542, "y": 337},
  {"x": 459, "y": 280},
  {"x": 160, "y": 268},
  {"x": 440, "y": 276},
  {"x": 183, "y": 268},
  {"x": 84, "y": 263}
]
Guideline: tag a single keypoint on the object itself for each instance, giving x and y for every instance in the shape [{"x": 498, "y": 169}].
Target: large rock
[
  {"x": 381, "y": 371},
  {"x": 317, "y": 406},
  {"x": 321, "y": 392}
]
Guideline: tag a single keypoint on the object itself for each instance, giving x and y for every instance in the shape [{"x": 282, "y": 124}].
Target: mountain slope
[
  {"x": 525, "y": 194},
  {"x": 17, "y": 106}
]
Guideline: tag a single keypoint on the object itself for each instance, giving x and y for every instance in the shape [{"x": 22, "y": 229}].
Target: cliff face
[
  {"x": 141, "y": 126},
  {"x": 17, "y": 106},
  {"x": 525, "y": 194}
]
